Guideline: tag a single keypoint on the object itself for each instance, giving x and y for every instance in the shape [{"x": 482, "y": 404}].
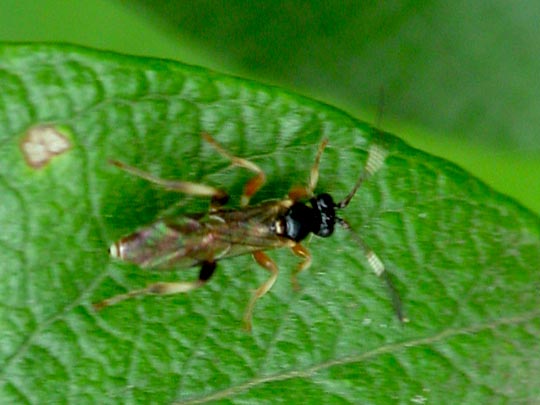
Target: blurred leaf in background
[{"x": 463, "y": 68}]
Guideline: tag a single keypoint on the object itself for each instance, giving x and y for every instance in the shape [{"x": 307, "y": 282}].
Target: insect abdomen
[{"x": 156, "y": 245}]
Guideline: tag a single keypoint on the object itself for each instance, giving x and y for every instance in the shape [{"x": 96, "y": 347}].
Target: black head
[
  {"x": 300, "y": 219},
  {"x": 325, "y": 212}
]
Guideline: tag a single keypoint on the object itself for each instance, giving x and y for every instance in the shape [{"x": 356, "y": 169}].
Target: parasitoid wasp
[{"x": 202, "y": 239}]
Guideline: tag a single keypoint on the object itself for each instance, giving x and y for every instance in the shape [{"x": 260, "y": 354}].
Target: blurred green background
[{"x": 460, "y": 79}]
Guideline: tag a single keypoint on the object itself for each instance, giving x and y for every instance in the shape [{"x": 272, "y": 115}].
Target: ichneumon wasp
[{"x": 202, "y": 239}]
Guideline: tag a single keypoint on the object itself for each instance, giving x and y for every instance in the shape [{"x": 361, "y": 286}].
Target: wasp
[{"x": 202, "y": 239}]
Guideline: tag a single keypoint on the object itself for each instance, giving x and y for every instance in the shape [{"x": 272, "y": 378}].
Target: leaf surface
[{"x": 464, "y": 258}]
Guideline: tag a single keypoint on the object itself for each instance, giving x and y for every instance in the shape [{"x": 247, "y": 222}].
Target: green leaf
[{"x": 464, "y": 258}]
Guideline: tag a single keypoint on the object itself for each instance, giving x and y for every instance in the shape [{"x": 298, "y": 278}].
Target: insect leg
[
  {"x": 264, "y": 261},
  {"x": 302, "y": 252},
  {"x": 205, "y": 273},
  {"x": 219, "y": 197},
  {"x": 254, "y": 184},
  {"x": 301, "y": 192}
]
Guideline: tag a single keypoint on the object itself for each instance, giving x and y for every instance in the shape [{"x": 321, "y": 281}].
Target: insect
[{"x": 202, "y": 239}]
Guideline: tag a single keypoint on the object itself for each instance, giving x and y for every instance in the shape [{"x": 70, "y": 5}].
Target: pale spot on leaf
[{"x": 42, "y": 143}]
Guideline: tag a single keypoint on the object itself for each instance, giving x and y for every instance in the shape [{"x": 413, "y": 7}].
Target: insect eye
[{"x": 325, "y": 208}]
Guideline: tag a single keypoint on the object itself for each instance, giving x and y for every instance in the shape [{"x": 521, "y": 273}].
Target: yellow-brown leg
[
  {"x": 219, "y": 197},
  {"x": 302, "y": 192},
  {"x": 207, "y": 269},
  {"x": 264, "y": 261},
  {"x": 254, "y": 184},
  {"x": 302, "y": 252}
]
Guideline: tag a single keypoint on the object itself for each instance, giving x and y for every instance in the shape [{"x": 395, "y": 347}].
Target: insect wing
[
  {"x": 186, "y": 241},
  {"x": 166, "y": 244},
  {"x": 250, "y": 229}
]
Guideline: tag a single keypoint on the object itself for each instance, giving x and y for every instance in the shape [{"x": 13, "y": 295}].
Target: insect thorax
[{"x": 300, "y": 219}]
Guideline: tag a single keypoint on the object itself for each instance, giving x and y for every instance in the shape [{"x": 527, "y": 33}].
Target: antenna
[
  {"x": 376, "y": 156},
  {"x": 378, "y": 268}
]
